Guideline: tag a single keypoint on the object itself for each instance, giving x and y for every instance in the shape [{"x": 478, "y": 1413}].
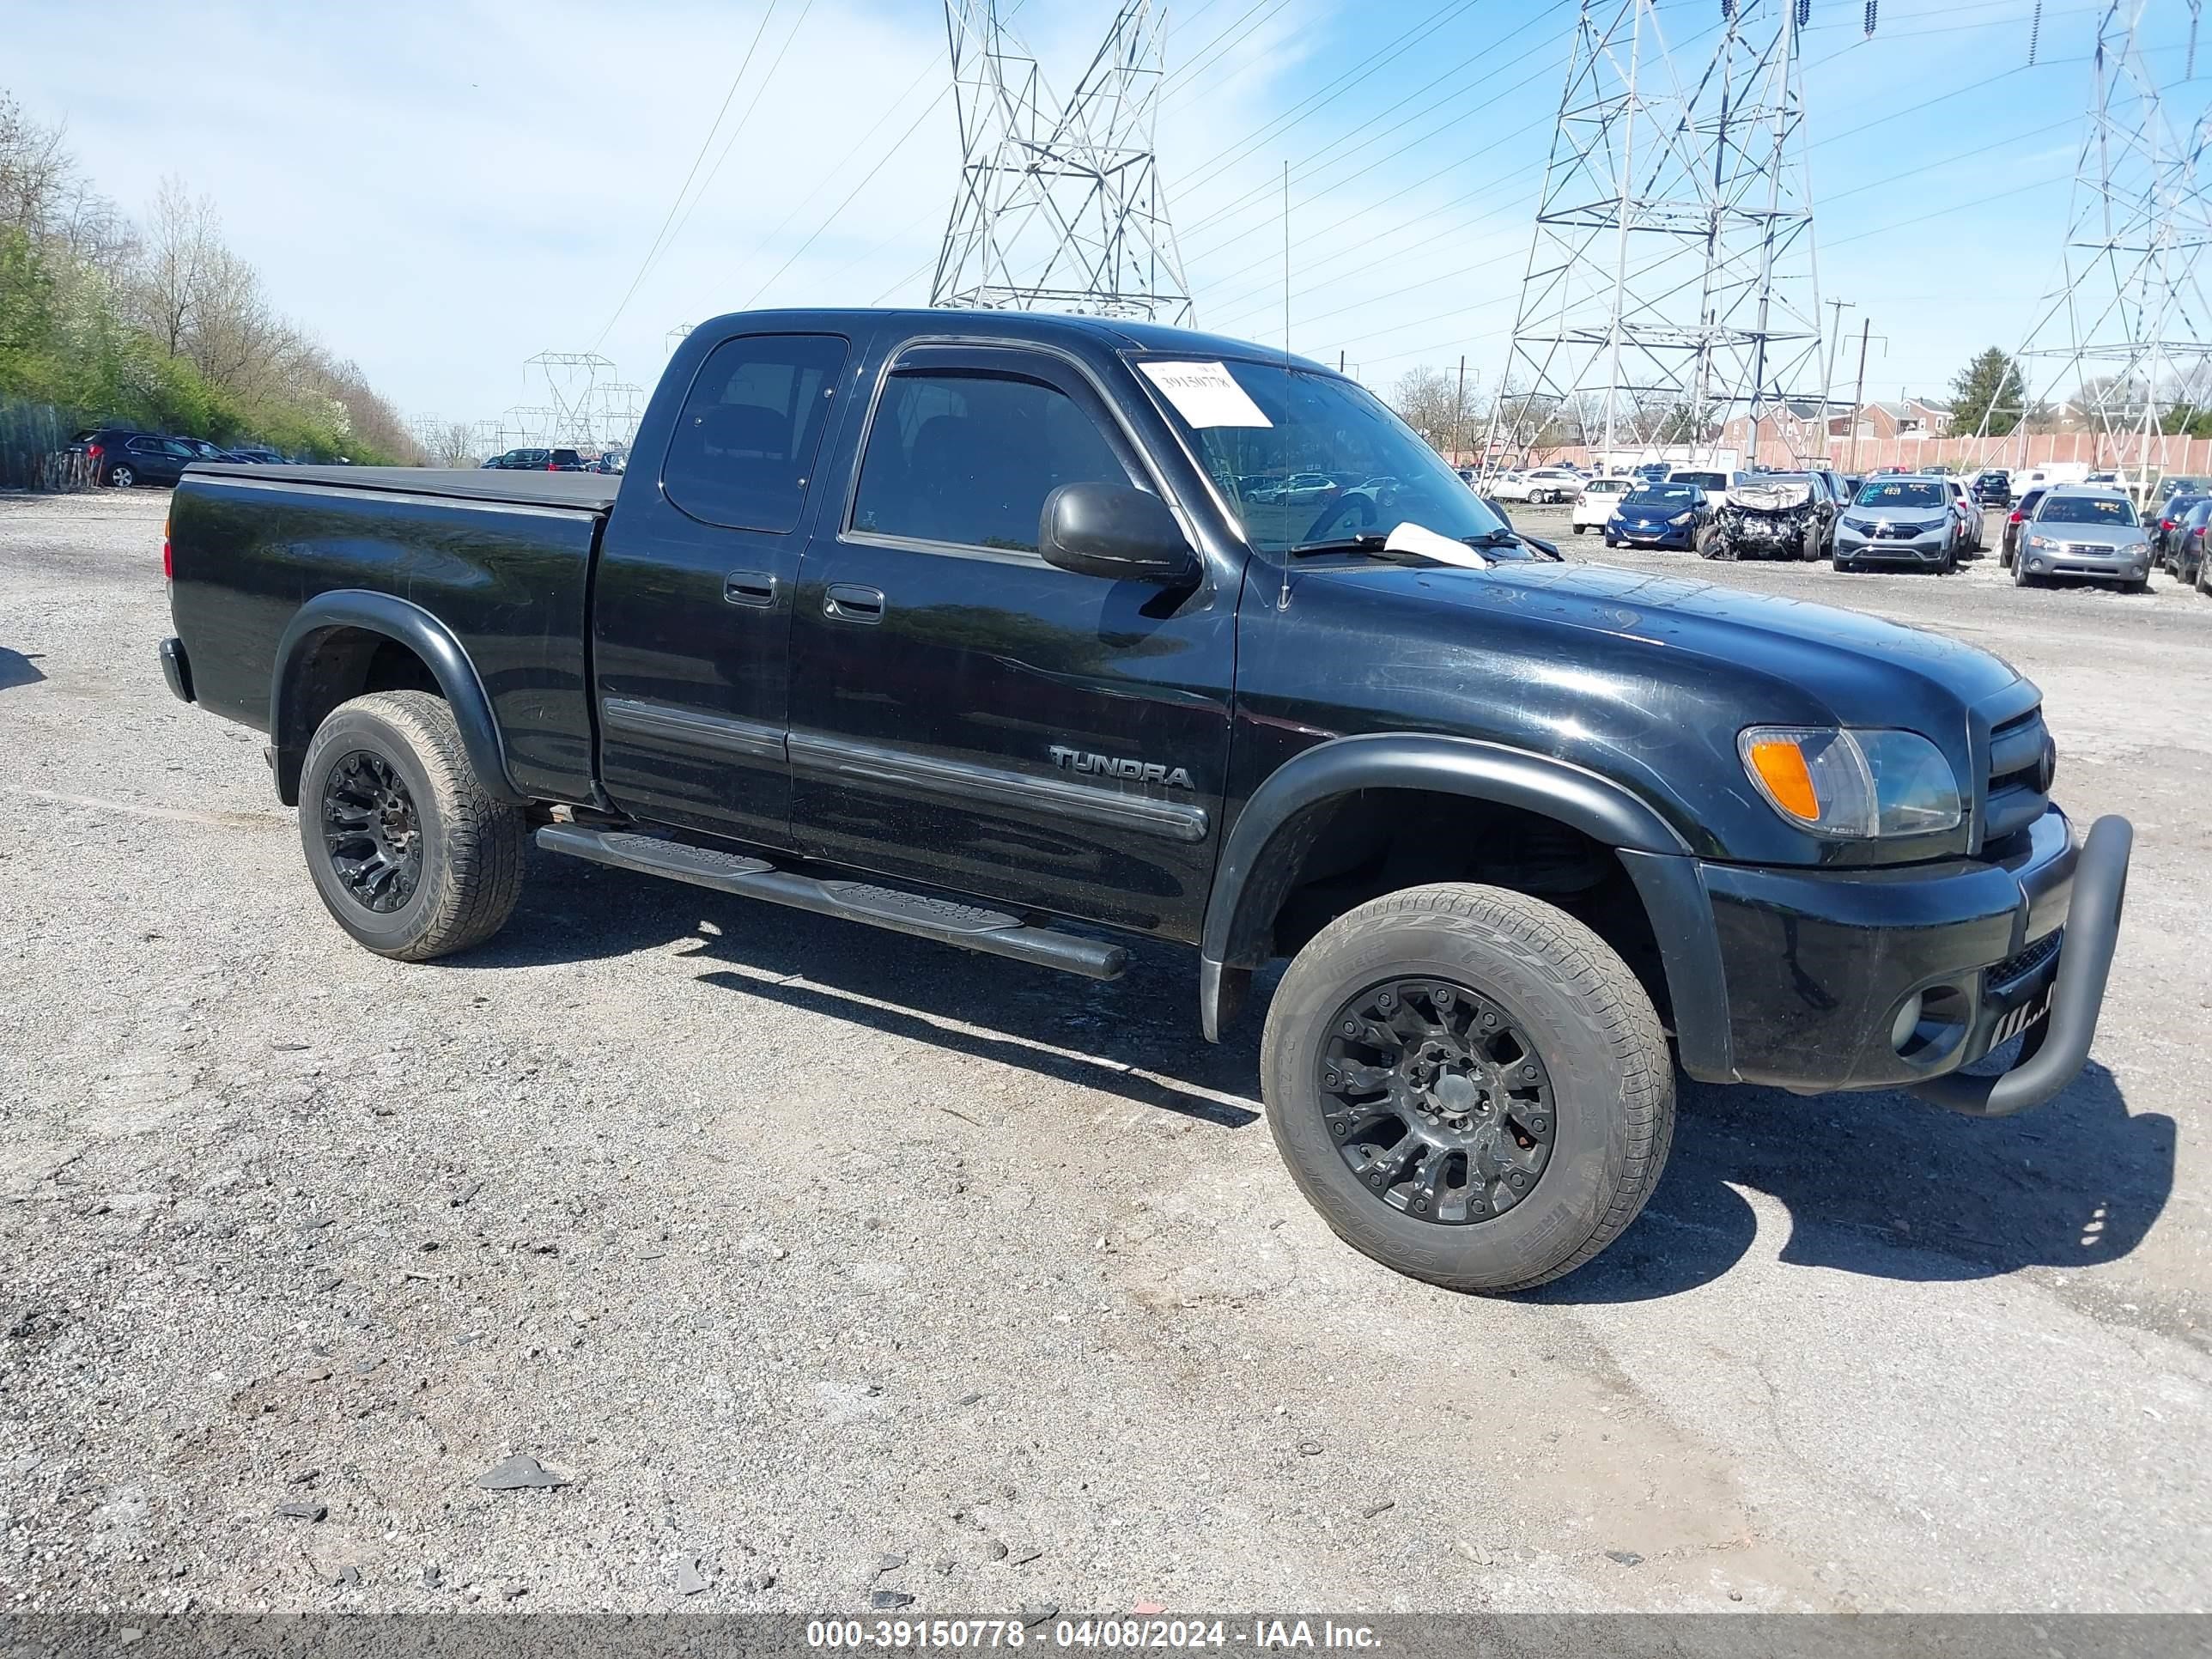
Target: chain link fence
[{"x": 34, "y": 452}]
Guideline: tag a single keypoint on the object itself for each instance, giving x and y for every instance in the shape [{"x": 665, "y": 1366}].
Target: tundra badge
[{"x": 1106, "y": 766}]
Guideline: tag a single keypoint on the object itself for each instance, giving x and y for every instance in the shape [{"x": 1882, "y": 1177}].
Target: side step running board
[{"x": 945, "y": 920}]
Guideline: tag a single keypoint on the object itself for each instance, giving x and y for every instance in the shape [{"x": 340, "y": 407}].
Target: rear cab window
[{"x": 742, "y": 453}]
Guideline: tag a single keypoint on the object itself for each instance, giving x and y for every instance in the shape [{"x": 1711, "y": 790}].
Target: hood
[{"x": 1646, "y": 680}]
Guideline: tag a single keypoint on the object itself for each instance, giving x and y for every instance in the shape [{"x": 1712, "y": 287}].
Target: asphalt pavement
[{"x": 808, "y": 1266}]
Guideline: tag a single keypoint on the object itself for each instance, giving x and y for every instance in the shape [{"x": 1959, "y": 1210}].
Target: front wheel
[
  {"x": 411, "y": 853},
  {"x": 1469, "y": 1085}
]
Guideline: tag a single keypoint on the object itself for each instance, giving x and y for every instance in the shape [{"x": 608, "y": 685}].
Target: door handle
[
  {"x": 847, "y": 602},
  {"x": 752, "y": 587}
]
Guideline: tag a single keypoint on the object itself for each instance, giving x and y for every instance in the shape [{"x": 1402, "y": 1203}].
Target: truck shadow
[
  {"x": 1882, "y": 1185},
  {"x": 1878, "y": 1184},
  {"x": 16, "y": 669}
]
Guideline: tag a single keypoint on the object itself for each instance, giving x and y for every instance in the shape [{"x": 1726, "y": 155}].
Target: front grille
[
  {"x": 2020, "y": 776},
  {"x": 2027, "y": 963},
  {"x": 2087, "y": 550}
]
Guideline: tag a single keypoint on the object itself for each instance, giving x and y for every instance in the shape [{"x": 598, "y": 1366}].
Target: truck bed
[{"x": 592, "y": 492}]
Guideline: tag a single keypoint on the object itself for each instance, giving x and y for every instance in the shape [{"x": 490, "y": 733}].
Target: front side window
[
  {"x": 967, "y": 457},
  {"x": 746, "y": 437}
]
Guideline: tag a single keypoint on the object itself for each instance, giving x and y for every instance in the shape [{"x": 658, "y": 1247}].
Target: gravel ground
[{"x": 821, "y": 1265}]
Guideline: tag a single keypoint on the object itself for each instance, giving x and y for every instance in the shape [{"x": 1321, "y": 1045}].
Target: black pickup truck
[{"x": 1009, "y": 631}]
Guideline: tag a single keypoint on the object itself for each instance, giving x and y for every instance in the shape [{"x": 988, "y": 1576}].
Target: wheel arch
[
  {"x": 1266, "y": 850},
  {"x": 330, "y": 652}
]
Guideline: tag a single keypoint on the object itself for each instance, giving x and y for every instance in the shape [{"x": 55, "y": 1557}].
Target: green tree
[{"x": 1991, "y": 385}]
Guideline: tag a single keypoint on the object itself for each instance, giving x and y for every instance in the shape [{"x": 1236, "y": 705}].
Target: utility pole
[
  {"x": 1858, "y": 398},
  {"x": 1828, "y": 374},
  {"x": 1459, "y": 410}
]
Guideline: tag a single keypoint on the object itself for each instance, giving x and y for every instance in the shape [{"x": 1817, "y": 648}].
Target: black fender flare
[
  {"x": 1272, "y": 835},
  {"x": 396, "y": 619}
]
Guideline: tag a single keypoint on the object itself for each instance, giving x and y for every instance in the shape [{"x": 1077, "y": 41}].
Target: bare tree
[
  {"x": 183, "y": 243},
  {"x": 1427, "y": 400}
]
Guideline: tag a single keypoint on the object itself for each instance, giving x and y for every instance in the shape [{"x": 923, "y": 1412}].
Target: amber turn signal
[{"x": 1781, "y": 767}]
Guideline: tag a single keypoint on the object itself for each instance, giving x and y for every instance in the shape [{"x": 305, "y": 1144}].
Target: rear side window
[
  {"x": 969, "y": 458},
  {"x": 745, "y": 440}
]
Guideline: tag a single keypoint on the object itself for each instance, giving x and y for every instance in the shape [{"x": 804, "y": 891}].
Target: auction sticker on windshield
[{"x": 1204, "y": 394}]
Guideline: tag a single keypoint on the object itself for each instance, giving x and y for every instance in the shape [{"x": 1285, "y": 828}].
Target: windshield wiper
[{"x": 1366, "y": 541}]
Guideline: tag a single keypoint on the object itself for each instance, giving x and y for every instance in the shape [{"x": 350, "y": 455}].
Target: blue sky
[{"x": 446, "y": 190}]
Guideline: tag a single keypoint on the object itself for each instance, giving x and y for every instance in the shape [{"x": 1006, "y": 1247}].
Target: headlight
[
  {"x": 1681, "y": 518},
  {"x": 2134, "y": 549},
  {"x": 1852, "y": 784},
  {"x": 1860, "y": 525},
  {"x": 2049, "y": 544}
]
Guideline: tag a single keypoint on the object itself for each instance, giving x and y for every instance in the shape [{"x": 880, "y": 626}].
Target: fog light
[{"x": 1907, "y": 1022}]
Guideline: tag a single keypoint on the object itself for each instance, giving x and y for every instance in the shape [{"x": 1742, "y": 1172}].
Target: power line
[{"x": 735, "y": 81}]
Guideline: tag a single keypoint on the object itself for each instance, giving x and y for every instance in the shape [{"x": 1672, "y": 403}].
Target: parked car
[
  {"x": 1536, "y": 486},
  {"x": 613, "y": 461},
  {"x": 2022, "y": 510},
  {"x": 2188, "y": 562},
  {"x": 1670, "y": 515},
  {"x": 2180, "y": 484},
  {"x": 564, "y": 460},
  {"x": 1771, "y": 515},
  {"x": 204, "y": 451},
  {"x": 123, "y": 458},
  {"x": 522, "y": 461},
  {"x": 1970, "y": 515},
  {"x": 1993, "y": 487},
  {"x": 1594, "y": 501},
  {"x": 1822, "y": 843},
  {"x": 2165, "y": 525},
  {"x": 1909, "y": 520},
  {"x": 2085, "y": 532},
  {"x": 259, "y": 455},
  {"x": 1299, "y": 489},
  {"x": 1714, "y": 484}
]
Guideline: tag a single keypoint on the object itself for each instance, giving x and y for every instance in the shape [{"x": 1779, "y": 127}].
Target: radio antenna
[{"x": 1283, "y": 600}]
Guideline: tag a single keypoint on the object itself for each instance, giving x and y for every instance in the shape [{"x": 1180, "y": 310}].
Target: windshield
[
  {"x": 2113, "y": 510},
  {"x": 1904, "y": 494},
  {"x": 1671, "y": 498},
  {"x": 1276, "y": 453}
]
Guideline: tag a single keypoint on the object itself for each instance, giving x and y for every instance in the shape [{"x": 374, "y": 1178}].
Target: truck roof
[{"x": 1041, "y": 327}]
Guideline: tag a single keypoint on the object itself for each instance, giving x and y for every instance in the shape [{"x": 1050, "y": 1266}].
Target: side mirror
[{"x": 1116, "y": 532}]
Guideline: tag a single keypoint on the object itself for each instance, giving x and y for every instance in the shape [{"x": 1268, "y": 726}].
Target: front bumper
[
  {"x": 2099, "y": 566},
  {"x": 1821, "y": 967},
  {"x": 1926, "y": 549},
  {"x": 1665, "y": 534}
]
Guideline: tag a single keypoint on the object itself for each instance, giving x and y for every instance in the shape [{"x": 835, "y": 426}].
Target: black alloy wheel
[
  {"x": 373, "y": 832},
  {"x": 1438, "y": 1101}
]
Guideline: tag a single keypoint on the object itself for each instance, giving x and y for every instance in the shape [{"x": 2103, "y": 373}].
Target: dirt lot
[{"x": 822, "y": 1264}]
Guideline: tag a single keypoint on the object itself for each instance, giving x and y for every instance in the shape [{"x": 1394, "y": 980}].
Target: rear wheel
[
  {"x": 1469, "y": 1085},
  {"x": 122, "y": 477},
  {"x": 411, "y": 853}
]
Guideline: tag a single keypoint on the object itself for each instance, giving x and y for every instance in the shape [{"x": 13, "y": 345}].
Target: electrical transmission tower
[
  {"x": 2125, "y": 335},
  {"x": 570, "y": 380},
  {"x": 1060, "y": 205},
  {"x": 1671, "y": 298}
]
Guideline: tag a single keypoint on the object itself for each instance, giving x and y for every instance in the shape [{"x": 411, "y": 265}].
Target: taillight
[
  {"x": 169, "y": 555},
  {"x": 2016, "y": 517},
  {"x": 2165, "y": 523},
  {"x": 93, "y": 450}
]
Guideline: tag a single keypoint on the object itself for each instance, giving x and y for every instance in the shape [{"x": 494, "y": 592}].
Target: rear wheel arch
[
  {"x": 1266, "y": 852},
  {"x": 347, "y": 643}
]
